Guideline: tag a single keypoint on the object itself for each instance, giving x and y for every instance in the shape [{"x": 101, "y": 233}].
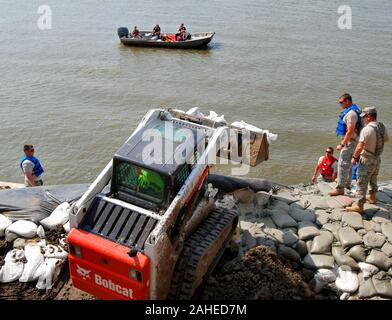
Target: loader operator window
[{"x": 141, "y": 182}]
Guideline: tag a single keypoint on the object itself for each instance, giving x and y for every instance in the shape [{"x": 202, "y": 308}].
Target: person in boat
[
  {"x": 136, "y": 33},
  {"x": 326, "y": 167},
  {"x": 183, "y": 36},
  {"x": 31, "y": 167},
  {"x": 181, "y": 28},
  {"x": 156, "y": 32}
]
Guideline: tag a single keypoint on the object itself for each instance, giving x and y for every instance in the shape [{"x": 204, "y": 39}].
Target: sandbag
[
  {"x": 379, "y": 259},
  {"x": 289, "y": 253},
  {"x": 342, "y": 259},
  {"x": 227, "y": 202},
  {"x": 318, "y": 261},
  {"x": 325, "y": 275},
  {"x": 332, "y": 227},
  {"x": 348, "y": 237},
  {"x": 282, "y": 220},
  {"x": 41, "y": 232},
  {"x": 374, "y": 240},
  {"x": 58, "y": 217},
  {"x": 381, "y": 217},
  {"x": 22, "y": 228},
  {"x": 35, "y": 259},
  {"x": 382, "y": 284},
  {"x": 13, "y": 266},
  {"x": 4, "y": 223},
  {"x": 300, "y": 246},
  {"x": 67, "y": 227},
  {"x": 347, "y": 280},
  {"x": 307, "y": 230},
  {"x": 322, "y": 243},
  {"x": 387, "y": 249},
  {"x": 46, "y": 273},
  {"x": 244, "y": 195},
  {"x": 386, "y": 229},
  {"x": 52, "y": 251},
  {"x": 262, "y": 198},
  {"x": 353, "y": 219},
  {"x": 358, "y": 252},
  {"x": 366, "y": 289},
  {"x": 367, "y": 269},
  {"x": 322, "y": 217},
  {"x": 286, "y": 237},
  {"x": 279, "y": 206},
  {"x": 302, "y": 215}
]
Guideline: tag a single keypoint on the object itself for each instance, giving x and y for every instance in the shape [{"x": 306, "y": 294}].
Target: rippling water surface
[{"x": 76, "y": 93}]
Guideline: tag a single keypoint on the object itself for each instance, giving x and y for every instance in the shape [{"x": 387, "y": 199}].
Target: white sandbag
[
  {"x": 367, "y": 269},
  {"x": 214, "y": 117},
  {"x": 34, "y": 261},
  {"x": 21, "y": 228},
  {"x": 48, "y": 268},
  {"x": 52, "y": 251},
  {"x": 13, "y": 266},
  {"x": 347, "y": 281},
  {"x": 195, "y": 112},
  {"x": 40, "y": 232},
  {"x": 59, "y": 216},
  {"x": 4, "y": 224},
  {"x": 66, "y": 227},
  {"x": 325, "y": 275},
  {"x": 243, "y": 125}
]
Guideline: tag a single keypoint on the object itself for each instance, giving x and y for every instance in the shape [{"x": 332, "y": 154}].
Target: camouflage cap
[{"x": 368, "y": 110}]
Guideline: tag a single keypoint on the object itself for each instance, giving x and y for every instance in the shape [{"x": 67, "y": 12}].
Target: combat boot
[
  {"x": 356, "y": 207},
  {"x": 371, "y": 198},
  {"x": 336, "y": 193}
]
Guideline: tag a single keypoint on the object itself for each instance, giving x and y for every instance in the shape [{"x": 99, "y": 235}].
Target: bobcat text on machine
[{"x": 156, "y": 233}]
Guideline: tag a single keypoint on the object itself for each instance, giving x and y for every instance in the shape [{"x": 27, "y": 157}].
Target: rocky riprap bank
[{"x": 300, "y": 243}]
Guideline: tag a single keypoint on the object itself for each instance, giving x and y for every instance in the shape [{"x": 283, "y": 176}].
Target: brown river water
[{"x": 76, "y": 93}]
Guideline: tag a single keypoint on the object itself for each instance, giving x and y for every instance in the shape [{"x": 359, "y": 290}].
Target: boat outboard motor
[{"x": 122, "y": 32}]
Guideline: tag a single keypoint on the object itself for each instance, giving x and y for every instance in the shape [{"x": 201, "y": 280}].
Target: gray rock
[
  {"x": 358, "y": 252},
  {"x": 379, "y": 259},
  {"x": 348, "y": 237},
  {"x": 317, "y": 261},
  {"x": 382, "y": 284},
  {"x": 353, "y": 219},
  {"x": 366, "y": 289},
  {"x": 300, "y": 246},
  {"x": 322, "y": 243},
  {"x": 332, "y": 227},
  {"x": 282, "y": 219},
  {"x": 374, "y": 240},
  {"x": 307, "y": 230},
  {"x": 289, "y": 253},
  {"x": 342, "y": 259},
  {"x": 19, "y": 243},
  {"x": 386, "y": 229},
  {"x": 262, "y": 198},
  {"x": 302, "y": 215},
  {"x": 387, "y": 249},
  {"x": 371, "y": 225},
  {"x": 322, "y": 217},
  {"x": 381, "y": 217}
]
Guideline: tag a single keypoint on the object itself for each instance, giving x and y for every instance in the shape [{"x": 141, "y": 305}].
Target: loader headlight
[
  {"x": 75, "y": 250},
  {"x": 135, "y": 275}
]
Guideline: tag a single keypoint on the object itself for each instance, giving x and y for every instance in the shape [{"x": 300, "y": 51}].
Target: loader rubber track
[{"x": 200, "y": 254}]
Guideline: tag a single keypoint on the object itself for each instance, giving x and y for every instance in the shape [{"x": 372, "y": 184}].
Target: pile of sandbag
[{"x": 350, "y": 254}]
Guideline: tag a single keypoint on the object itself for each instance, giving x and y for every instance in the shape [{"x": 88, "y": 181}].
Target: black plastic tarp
[{"x": 37, "y": 203}]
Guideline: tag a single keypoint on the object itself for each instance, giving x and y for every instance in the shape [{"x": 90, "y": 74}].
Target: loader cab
[{"x": 153, "y": 184}]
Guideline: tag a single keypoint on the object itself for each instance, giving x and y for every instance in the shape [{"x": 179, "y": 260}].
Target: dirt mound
[{"x": 259, "y": 274}]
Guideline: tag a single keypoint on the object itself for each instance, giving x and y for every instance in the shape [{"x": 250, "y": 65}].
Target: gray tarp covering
[
  {"x": 229, "y": 183},
  {"x": 37, "y": 203}
]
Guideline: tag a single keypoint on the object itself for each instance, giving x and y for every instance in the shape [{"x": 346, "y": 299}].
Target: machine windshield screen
[{"x": 141, "y": 182}]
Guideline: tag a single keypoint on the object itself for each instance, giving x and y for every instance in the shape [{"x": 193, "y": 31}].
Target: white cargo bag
[{"x": 59, "y": 216}]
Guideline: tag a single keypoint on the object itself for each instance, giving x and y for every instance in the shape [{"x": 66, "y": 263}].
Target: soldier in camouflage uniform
[{"x": 367, "y": 153}]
